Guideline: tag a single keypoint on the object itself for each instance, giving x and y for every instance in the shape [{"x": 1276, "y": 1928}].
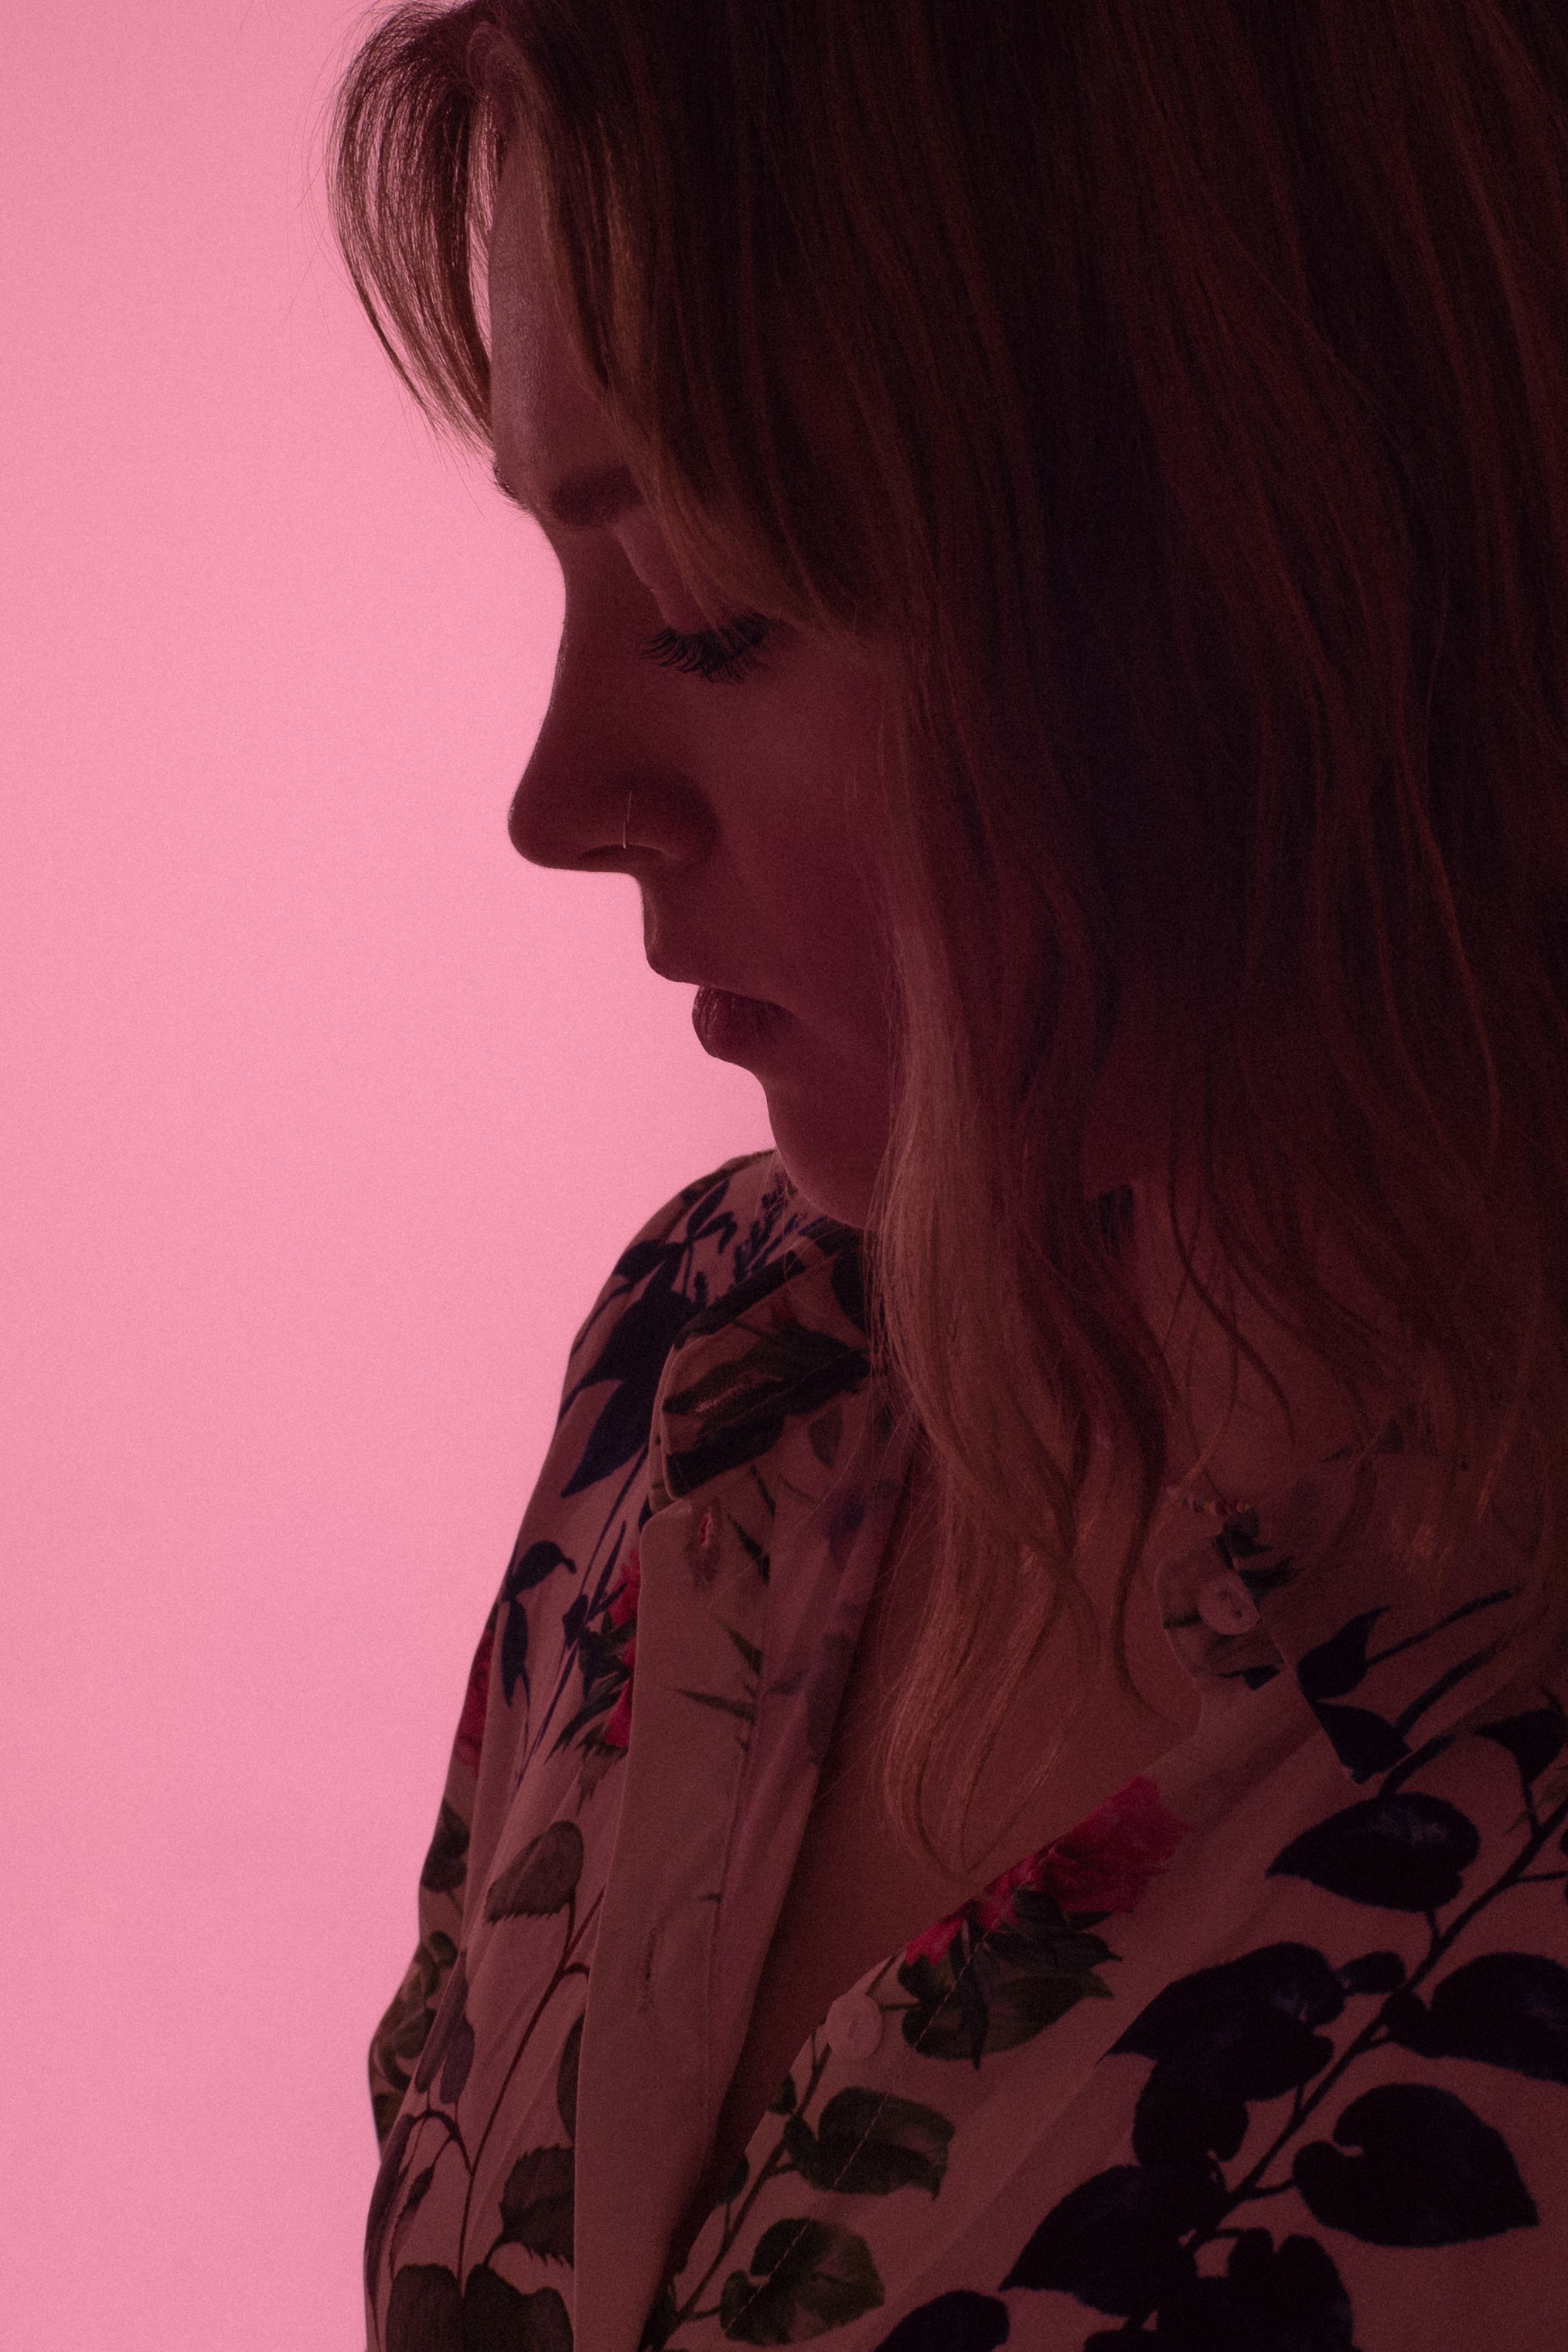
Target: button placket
[
  {"x": 1225, "y": 1605},
  {"x": 854, "y": 2025}
]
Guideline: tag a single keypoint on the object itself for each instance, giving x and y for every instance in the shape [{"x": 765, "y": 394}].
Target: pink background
[{"x": 324, "y": 1120}]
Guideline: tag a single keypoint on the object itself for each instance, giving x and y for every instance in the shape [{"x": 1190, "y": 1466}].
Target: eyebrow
[{"x": 586, "y": 499}]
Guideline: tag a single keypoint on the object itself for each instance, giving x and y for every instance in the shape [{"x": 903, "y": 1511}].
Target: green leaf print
[
  {"x": 973, "y": 2003},
  {"x": 866, "y": 2144},
  {"x": 403, "y": 2032},
  {"x": 543, "y": 1877},
  {"x": 813, "y": 2275},
  {"x": 536, "y": 2205}
]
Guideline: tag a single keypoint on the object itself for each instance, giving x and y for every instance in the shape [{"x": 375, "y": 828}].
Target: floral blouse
[{"x": 1269, "y": 2054}]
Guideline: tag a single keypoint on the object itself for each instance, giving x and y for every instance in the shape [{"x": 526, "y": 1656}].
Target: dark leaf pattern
[
  {"x": 1115, "y": 2243},
  {"x": 449, "y": 2017},
  {"x": 497, "y": 2318},
  {"x": 447, "y": 1861},
  {"x": 513, "y": 1654},
  {"x": 805, "y": 2277},
  {"x": 566, "y": 2080},
  {"x": 455, "y": 2064},
  {"x": 867, "y": 2143},
  {"x": 528, "y": 1569},
  {"x": 1427, "y": 2172},
  {"x": 1285, "y": 2299},
  {"x": 632, "y": 1362},
  {"x": 661, "y": 2322},
  {"x": 960, "y": 2322},
  {"x": 1408, "y": 2164},
  {"x": 999, "y": 1993},
  {"x": 1338, "y": 1667},
  {"x": 542, "y": 1879},
  {"x": 536, "y": 2205},
  {"x": 1534, "y": 1740},
  {"x": 403, "y": 2032},
  {"x": 1247, "y": 2029},
  {"x": 1363, "y": 1741},
  {"x": 389, "y": 2181},
  {"x": 425, "y": 2312},
  {"x": 1178, "y": 2123},
  {"x": 1405, "y": 1853},
  {"x": 1505, "y": 2009},
  {"x": 790, "y": 1371},
  {"x": 1372, "y": 1972}
]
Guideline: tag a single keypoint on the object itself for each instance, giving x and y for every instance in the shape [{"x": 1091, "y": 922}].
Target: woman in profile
[{"x": 1015, "y": 1789}]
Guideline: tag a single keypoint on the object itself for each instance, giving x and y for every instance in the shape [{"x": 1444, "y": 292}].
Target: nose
[
  {"x": 613, "y": 727},
  {"x": 570, "y": 803}
]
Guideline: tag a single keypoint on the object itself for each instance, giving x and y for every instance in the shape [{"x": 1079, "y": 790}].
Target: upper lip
[{"x": 702, "y": 979}]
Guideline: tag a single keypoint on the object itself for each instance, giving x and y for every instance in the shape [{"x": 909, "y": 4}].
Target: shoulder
[
  {"x": 724, "y": 1243},
  {"x": 740, "y": 1224}
]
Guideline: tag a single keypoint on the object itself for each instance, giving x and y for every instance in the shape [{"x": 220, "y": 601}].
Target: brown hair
[{"x": 1205, "y": 369}]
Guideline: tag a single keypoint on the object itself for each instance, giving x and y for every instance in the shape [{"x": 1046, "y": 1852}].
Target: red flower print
[
  {"x": 627, "y": 1595},
  {"x": 471, "y": 1722},
  {"x": 935, "y": 1943},
  {"x": 1107, "y": 1861},
  {"x": 623, "y": 1610},
  {"x": 1102, "y": 1865}
]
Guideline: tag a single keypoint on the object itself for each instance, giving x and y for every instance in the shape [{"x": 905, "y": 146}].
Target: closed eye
[{"x": 719, "y": 655}]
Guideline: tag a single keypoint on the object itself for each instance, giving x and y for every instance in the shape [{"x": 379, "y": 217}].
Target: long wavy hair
[{"x": 1203, "y": 372}]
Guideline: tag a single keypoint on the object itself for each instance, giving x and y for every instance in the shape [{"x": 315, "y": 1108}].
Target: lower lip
[{"x": 735, "y": 1028}]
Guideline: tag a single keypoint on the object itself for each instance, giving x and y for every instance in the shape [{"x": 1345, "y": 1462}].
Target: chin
[{"x": 833, "y": 1174}]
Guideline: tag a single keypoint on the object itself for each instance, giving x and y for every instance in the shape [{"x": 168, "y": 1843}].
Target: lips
[
  {"x": 706, "y": 979},
  {"x": 735, "y": 1028}
]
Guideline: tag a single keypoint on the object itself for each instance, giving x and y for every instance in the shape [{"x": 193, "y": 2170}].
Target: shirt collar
[
  {"x": 1321, "y": 1581},
  {"x": 788, "y": 1340},
  {"x": 1318, "y": 1581}
]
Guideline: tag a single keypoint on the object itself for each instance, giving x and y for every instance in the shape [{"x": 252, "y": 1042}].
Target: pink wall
[{"x": 324, "y": 1117}]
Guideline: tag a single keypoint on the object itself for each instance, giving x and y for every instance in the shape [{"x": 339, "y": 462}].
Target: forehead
[{"x": 546, "y": 419}]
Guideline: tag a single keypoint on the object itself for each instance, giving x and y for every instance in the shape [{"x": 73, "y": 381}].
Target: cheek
[
  {"x": 825, "y": 863},
  {"x": 834, "y": 943}
]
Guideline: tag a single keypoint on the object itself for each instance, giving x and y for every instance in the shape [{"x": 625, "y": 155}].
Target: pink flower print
[
  {"x": 982, "y": 1913},
  {"x": 623, "y": 1610},
  {"x": 935, "y": 1943},
  {"x": 1104, "y": 1865},
  {"x": 471, "y": 1722},
  {"x": 995, "y": 1904},
  {"x": 627, "y": 1592}
]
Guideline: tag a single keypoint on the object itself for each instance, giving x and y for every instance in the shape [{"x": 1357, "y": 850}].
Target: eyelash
[{"x": 719, "y": 656}]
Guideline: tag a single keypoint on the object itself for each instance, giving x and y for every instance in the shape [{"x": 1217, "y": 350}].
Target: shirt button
[
  {"x": 1225, "y": 1605},
  {"x": 854, "y": 2025}
]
